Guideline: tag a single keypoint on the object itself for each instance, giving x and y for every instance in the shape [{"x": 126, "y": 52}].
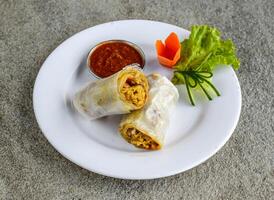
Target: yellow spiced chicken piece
[
  {"x": 138, "y": 138},
  {"x": 133, "y": 88}
]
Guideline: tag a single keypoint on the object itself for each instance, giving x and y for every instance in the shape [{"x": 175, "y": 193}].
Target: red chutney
[{"x": 110, "y": 58}]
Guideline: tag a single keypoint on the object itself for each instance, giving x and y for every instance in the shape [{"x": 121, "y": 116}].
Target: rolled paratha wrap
[
  {"x": 121, "y": 93},
  {"x": 146, "y": 128}
]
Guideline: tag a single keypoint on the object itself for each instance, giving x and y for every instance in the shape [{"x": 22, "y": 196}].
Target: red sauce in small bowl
[{"x": 110, "y": 57}]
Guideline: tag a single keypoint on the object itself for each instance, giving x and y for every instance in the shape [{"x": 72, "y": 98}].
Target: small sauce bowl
[{"x": 109, "y": 57}]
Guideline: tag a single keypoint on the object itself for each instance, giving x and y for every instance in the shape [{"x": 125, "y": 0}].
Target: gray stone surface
[{"x": 30, "y": 168}]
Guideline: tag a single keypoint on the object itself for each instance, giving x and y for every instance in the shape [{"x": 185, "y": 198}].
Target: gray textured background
[{"x": 30, "y": 168}]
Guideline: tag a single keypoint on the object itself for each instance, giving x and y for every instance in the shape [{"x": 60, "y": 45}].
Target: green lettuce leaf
[
  {"x": 200, "y": 54},
  {"x": 203, "y": 51}
]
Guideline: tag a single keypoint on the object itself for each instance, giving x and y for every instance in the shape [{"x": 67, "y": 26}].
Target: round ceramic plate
[{"x": 195, "y": 132}]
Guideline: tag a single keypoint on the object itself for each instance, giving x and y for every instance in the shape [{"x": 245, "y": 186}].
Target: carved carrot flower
[{"x": 169, "y": 53}]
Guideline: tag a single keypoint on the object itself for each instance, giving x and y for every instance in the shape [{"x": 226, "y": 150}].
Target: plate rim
[{"x": 102, "y": 172}]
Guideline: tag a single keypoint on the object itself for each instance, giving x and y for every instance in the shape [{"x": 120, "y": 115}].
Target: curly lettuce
[{"x": 201, "y": 53}]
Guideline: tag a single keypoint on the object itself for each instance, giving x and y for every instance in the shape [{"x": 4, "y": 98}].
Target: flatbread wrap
[
  {"x": 146, "y": 128},
  {"x": 121, "y": 93}
]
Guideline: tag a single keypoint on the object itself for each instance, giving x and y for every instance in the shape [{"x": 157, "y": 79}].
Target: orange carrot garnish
[{"x": 168, "y": 53}]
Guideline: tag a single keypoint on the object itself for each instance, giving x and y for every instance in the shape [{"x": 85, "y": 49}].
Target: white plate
[{"x": 195, "y": 133}]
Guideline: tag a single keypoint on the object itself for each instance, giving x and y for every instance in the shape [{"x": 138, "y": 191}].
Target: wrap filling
[
  {"x": 133, "y": 88},
  {"x": 139, "y": 139}
]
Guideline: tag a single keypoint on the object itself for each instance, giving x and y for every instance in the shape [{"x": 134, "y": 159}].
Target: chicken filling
[
  {"x": 134, "y": 90},
  {"x": 140, "y": 140}
]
